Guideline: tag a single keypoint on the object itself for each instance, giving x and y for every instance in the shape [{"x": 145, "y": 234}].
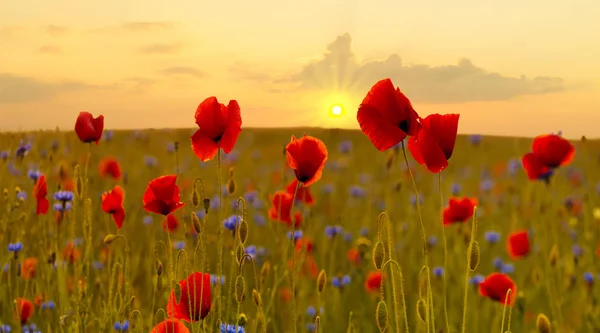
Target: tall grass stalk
[
  {"x": 293, "y": 244},
  {"x": 465, "y": 299}
]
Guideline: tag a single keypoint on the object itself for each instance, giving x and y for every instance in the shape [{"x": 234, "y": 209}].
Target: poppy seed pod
[
  {"x": 196, "y": 223},
  {"x": 240, "y": 288},
  {"x": 231, "y": 186},
  {"x": 195, "y": 198},
  {"x": 243, "y": 231},
  {"x": 108, "y": 239},
  {"x": 257, "y": 298},
  {"x": 177, "y": 291},
  {"x": 378, "y": 255},
  {"x": 206, "y": 203},
  {"x": 381, "y": 314},
  {"x": 474, "y": 255},
  {"x": 543, "y": 324}
]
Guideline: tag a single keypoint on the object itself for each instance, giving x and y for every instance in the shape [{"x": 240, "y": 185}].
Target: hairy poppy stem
[
  {"x": 220, "y": 235},
  {"x": 423, "y": 234},
  {"x": 293, "y": 242},
  {"x": 473, "y": 231},
  {"x": 508, "y": 298},
  {"x": 444, "y": 277}
]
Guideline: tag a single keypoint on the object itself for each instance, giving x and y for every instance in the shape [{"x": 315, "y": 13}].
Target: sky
[{"x": 509, "y": 67}]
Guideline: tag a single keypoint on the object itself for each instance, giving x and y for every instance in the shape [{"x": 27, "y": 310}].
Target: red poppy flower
[
  {"x": 170, "y": 326},
  {"x": 517, "y": 244},
  {"x": 24, "y": 310},
  {"x": 386, "y": 116},
  {"x": 496, "y": 285},
  {"x": 220, "y": 127},
  {"x": 194, "y": 303},
  {"x": 40, "y": 191},
  {"x": 88, "y": 128},
  {"x": 309, "y": 267},
  {"x": 162, "y": 196},
  {"x": 553, "y": 150},
  {"x": 354, "y": 256},
  {"x": 170, "y": 223},
  {"x": 307, "y": 157},
  {"x": 304, "y": 244},
  {"x": 303, "y": 194},
  {"x": 281, "y": 209},
  {"x": 29, "y": 268},
  {"x": 109, "y": 167},
  {"x": 71, "y": 253},
  {"x": 459, "y": 210},
  {"x": 535, "y": 168},
  {"x": 112, "y": 203},
  {"x": 434, "y": 143},
  {"x": 373, "y": 281}
]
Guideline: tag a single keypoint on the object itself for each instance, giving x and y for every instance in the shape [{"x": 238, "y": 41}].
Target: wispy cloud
[
  {"x": 339, "y": 70},
  {"x": 22, "y": 89},
  {"x": 183, "y": 70},
  {"x": 148, "y": 26},
  {"x": 56, "y": 30},
  {"x": 159, "y": 48},
  {"x": 49, "y": 49}
]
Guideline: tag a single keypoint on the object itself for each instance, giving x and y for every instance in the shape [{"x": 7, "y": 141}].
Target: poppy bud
[
  {"x": 206, "y": 203},
  {"x": 195, "y": 198},
  {"x": 474, "y": 255},
  {"x": 321, "y": 280},
  {"x": 240, "y": 288},
  {"x": 196, "y": 222},
  {"x": 381, "y": 314},
  {"x": 242, "y": 320},
  {"x": 231, "y": 186},
  {"x": 378, "y": 255},
  {"x": 257, "y": 298},
  {"x": 177, "y": 292},
  {"x": 422, "y": 309},
  {"x": 240, "y": 251},
  {"x": 264, "y": 271},
  {"x": 317, "y": 323},
  {"x": 159, "y": 268},
  {"x": 243, "y": 231},
  {"x": 543, "y": 324},
  {"x": 554, "y": 255},
  {"x": 231, "y": 172},
  {"x": 109, "y": 238}
]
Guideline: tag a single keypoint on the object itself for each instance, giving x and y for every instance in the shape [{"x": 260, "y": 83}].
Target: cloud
[
  {"x": 338, "y": 69},
  {"x": 49, "y": 49},
  {"x": 182, "y": 70},
  {"x": 21, "y": 89},
  {"x": 147, "y": 26},
  {"x": 244, "y": 72},
  {"x": 158, "y": 48},
  {"x": 10, "y": 31},
  {"x": 56, "y": 30}
]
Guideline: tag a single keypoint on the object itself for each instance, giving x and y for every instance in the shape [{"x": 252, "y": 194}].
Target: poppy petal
[
  {"x": 203, "y": 146},
  {"x": 433, "y": 156},
  {"x": 211, "y": 117},
  {"x": 233, "y": 129}
]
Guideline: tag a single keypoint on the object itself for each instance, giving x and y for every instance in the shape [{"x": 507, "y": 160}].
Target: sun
[{"x": 336, "y": 110}]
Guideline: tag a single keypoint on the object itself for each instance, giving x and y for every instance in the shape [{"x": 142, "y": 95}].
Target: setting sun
[{"x": 336, "y": 110}]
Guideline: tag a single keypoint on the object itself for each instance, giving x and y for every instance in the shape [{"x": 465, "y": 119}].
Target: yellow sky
[{"x": 148, "y": 64}]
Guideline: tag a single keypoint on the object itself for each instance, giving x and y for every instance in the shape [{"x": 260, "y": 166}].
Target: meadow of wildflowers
[{"x": 400, "y": 227}]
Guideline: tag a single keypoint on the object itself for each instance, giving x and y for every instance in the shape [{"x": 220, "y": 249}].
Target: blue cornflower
[
  {"x": 150, "y": 161},
  {"x": 327, "y": 188},
  {"x": 34, "y": 174},
  {"x": 364, "y": 178},
  {"x": 513, "y": 166},
  {"x": 357, "y": 191},
  {"x": 233, "y": 156},
  {"x": 311, "y": 311},
  {"x": 49, "y": 305},
  {"x": 215, "y": 279},
  {"x": 310, "y": 327},
  {"x": 5, "y": 328},
  {"x": 345, "y": 147},
  {"x": 432, "y": 240},
  {"x": 97, "y": 265},
  {"x": 62, "y": 208},
  {"x": 296, "y": 235},
  {"x": 31, "y": 328},
  {"x": 498, "y": 263},
  {"x": 348, "y": 237},
  {"x": 259, "y": 219},
  {"x": 214, "y": 202},
  {"x": 108, "y": 135},
  {"x": 345, "y": 280},
  {"x": 336, "y": 282},
  {"x": 492, "y": 237},
  {"x": 171, "y": 147},
  {"x": 251, "y": 251},
  {"x": 486, "y": 185},
  {"x": 230, "y": 328},
  {"x": 4, "y": 155},
  {"x": 588, "y": 277},
  {"x": 577, "y": 250},
  {"x": 179, "y": 245},
  {"x": 147, "y": 220},
  {"x": 476, "y": 280},
  {"x": 413, "y": 199},
  {"x": 455, "y": 189},
  {"x": 261, "y": 251},
  {"x": 23, "y": 149},
  {"x": 64, "y": 196},
  {"x": 438, "y": 271},
  {"x": 232, "y": 222},
  {"x": 507, "y": 268},
  {"x": 121, "y": 326},
  {"x": 475, "y": 139},
  {"x": 364, "y": 232},
  {"x": 332, "y": 231},
  {"x": 15, "y": 247},
  {"x": 251, "y": 197},
  {"x": 21, "y": 195}
]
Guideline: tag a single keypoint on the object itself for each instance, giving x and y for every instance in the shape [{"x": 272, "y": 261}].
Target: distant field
[{"x": 119, "y": 281}]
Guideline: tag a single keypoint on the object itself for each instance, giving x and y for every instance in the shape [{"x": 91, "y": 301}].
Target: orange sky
[{"x": 510, "y": 67}]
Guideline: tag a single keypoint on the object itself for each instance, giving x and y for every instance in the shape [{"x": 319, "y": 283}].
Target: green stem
[
  {"x": 444, "y": 277},
  {"x": 220, "y": 236},
  {"x": 473, "y": 231},
  {"x": 293, "y": 243}
]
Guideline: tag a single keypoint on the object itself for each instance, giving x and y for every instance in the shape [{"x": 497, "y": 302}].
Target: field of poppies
[{"x": 402, "y": 226}]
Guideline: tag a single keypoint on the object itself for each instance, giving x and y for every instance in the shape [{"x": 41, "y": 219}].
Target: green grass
[{"x": 127, "y": 287}]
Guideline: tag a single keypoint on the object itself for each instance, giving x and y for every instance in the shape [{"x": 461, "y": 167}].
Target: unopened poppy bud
[
  {"x": 317, "y": 323},
  {"x": 378, "y": 255},
  {"x": 474, "y": 256},
  {"x": 206, "y": 203},
  {"x": 159, "y": 268},
  {"x": 109, "y": 238},
  {"x": 195, "y": 198},
  {"x": 231, "y": 172},
  {"x": 422, "y": 309},
  {"x": 196, "y": 222},
  {"x": 79, "y": 187},
  {"x": 243, "y": 231},
  {"x": 240, "y": 288},
  {"x": 257, "y": 298},
  {"x": 177, "y": 292},
  {"x": 381, "y": 314},
  {"x": 543, "y": 324},
  {"x": 321, "y": 280},
  {"x": 231, "y": 186},
  {"x": 265, "y": 269},
  {"x": 554, "y": 255},
  {"x": 242, "y": 320}
]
